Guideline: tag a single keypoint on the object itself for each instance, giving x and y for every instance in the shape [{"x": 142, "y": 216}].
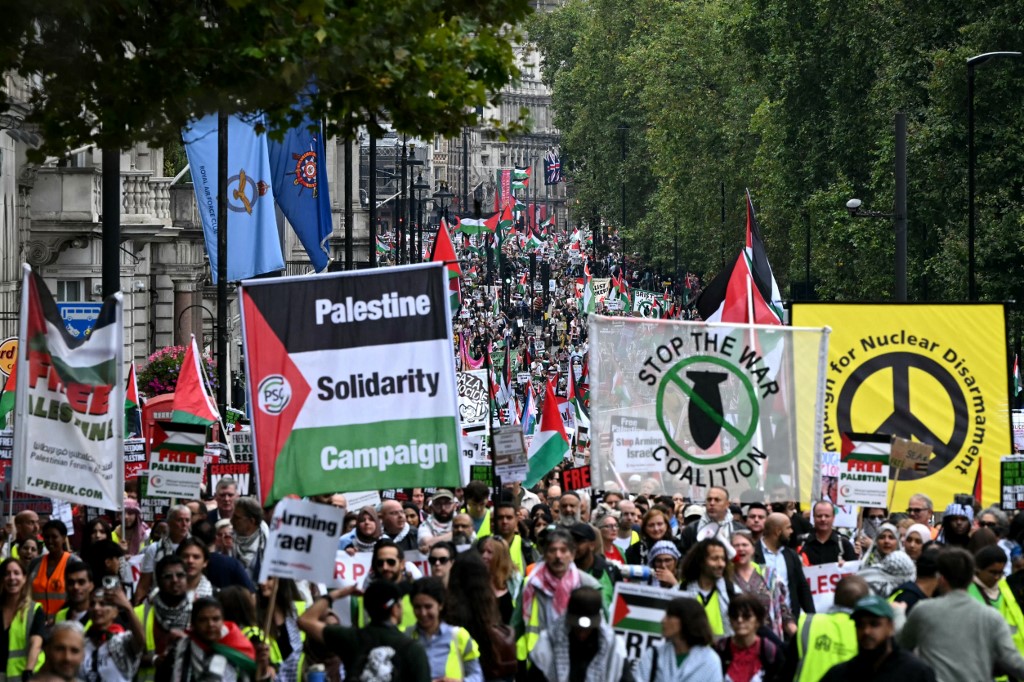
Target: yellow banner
[{"x": 933, "y": 373}]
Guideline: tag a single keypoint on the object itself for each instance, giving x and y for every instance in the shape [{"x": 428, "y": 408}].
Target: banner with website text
[
  {"x": 693, "y": 405},
  {"x": 69, "y": 434},
  {"x": 937, "y": 374},
  {"x": 351, "y": 381}
]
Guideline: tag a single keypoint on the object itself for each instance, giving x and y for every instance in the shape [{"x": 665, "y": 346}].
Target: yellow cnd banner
[{"x": 934, "y": 373}]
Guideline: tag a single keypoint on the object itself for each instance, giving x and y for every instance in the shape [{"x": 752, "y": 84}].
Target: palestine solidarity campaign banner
[
  {"x": 698, "y": 405},
  {"x": 352, "y": 381},
  {"x": 69, "y": 433}
]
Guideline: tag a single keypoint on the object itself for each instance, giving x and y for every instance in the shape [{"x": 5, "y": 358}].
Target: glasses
[
  {"x": 609, "y": 526},
  {"x": 174, "y": 576},
  {"x": 387, "y": 562},
  {"x": 435, "y": 560},
  {"x": 987, "y": 524},
  {"x": 915, "y": 510}
]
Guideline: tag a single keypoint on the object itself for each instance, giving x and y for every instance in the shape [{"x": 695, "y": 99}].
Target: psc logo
[
  {"x": 707, "y": 408},
  {"x": 273, "y": 394}
]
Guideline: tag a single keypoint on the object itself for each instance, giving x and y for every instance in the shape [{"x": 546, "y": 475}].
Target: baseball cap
[
  {"x": 584, "y": 609},
  {"x": 442, "y": 494},
  {"x": 583, "y": 531},
  {"x": 874, "y": 605},
  {"x": 693, "y": 510}
]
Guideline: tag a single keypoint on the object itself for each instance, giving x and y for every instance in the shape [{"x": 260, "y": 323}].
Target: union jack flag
[{"x": 552, "y": 169}]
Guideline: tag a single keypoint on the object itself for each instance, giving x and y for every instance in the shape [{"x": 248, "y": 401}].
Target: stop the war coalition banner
[
  {"x": 352, "y": 381},
  {"x": 705, "y": 404},
  {"x": 70, "y": 403}
]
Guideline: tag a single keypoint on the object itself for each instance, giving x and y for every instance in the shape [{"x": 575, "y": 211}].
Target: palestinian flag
[
  {"x": 734, "y": 296},
  {"x": 520, "y": 178},
  {"x": 620, "y": 290},
  {"x": 865, "y": 447},
  {"x": 529, "y": 410},
  {"x": 69, "y": 401},
  {"x": 582, "y": 419},
  {"x": 382, "y": 246},
  {"x": 132, "y": 406},
  {"x": 444, "y": 253},
  {"x": 637, "y": 608},
  {"x": 588, "y": 304},
  {"x": 1018, "y": 383},
  {"x": 7, "y": 397},
  {"x": 757, "y": 262},
  {"x": 193, "y": 403},
  {"x": 473, "y": 226},
  {"x": 533, "y": 242},
  {"x": 520, "y": 206},
  {"x": 550, "y": 446}
]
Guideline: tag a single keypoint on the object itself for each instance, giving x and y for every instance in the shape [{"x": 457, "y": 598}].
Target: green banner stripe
[
  {"x": 635, "y": 625},
  {"x": 316, "y": 461}
]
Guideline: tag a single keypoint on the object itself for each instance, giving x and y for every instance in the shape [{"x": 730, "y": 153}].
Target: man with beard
[
  {"x": 387, "y": 565},
  {"x": 546, "y": 592},
  {"x": 165, "y": 616},
  {"x": 569, "y": 509},
  {"x": 65, "y": 651},
  {"x": 437, "y": 526},
  {"x": 715, "y": 523},
  {"x": 589, "y": 561},
  {"x": 878, "y": 657},
  {"x": 757, "y": 514},
  {"x": 396, "y": 527},
  {"x": 773, "y": 552},
  {"x": 506, "y": 525},
  {"x": 703, "y": 574}
]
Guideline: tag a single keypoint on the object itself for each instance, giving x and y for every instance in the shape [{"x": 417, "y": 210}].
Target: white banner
[
  {"x": 737, "y": 406},
  {"x": 474, "y": 400},
  {"x": 822, "y": 580},
  {"x": 301, "y": 533},
  {"x": 353, "y": 568},
  {"x": 176, "y": 466},
  {"x": 69, "y": 409}
]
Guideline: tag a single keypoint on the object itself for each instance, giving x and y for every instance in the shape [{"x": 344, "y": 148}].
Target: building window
[{"x": 69, "y": 290}]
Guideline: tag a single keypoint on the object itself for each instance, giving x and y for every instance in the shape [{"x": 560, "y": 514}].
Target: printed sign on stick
[{"x": 301, "y": 534}]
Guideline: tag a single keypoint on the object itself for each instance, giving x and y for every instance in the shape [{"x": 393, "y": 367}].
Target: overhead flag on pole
[
  {"x": 132, "y": 406},
  {"x": 757, "y": 261},
  {"x": 299, "y": 171},
  {"x": 444, "y": 252},
  {"x": 192, "y": 403},
  {"x": 552, "y": 169},
  {"x": 254, "y": 246}
]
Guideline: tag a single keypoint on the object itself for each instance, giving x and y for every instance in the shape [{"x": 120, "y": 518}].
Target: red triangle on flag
[
  {"x": 621, "y": 610},
  {"x": 192, "y": 404}
]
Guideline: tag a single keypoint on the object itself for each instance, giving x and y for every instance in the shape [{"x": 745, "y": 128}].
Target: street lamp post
[
  {"x": 412, "y": 161},
  {"x": 418, "y": 189},
  {"x": 899, "y": 216},
  {"x": 442, "y": 197},
  {"x": 977, "y": 60}
]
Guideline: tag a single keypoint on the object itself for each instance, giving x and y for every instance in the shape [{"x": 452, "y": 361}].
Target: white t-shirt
[{"x": 116, "y": 660}]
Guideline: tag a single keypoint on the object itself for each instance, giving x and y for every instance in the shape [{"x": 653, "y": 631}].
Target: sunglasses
[
  {"x": 878, "y": 518},
  {"x": 435, "y": 560},
  {"x": 387, "y": 562},
  {"x": 915, "y": 510},
  {"x": 987, "y": 524}
]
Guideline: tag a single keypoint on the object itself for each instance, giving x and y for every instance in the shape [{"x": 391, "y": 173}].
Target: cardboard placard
[
  {"x": 301, "y": 532},
  {"x": 510, "y": 461},
  {"x": 907, "y": 454},
  {"x": 822, "y": 580}
]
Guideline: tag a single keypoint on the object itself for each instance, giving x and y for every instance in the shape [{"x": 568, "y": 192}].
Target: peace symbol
[{"x": 902, "y": 421}]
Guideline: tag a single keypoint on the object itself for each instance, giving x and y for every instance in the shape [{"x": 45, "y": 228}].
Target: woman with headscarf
[
  {"x": 364, "y": 536},
  {"x": 133, "y": 531},
  {"x": 886, "y": 566},
  {"x": 914, "y": 541}
]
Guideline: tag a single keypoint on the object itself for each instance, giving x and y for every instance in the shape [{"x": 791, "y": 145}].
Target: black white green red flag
[
  {"x": 69, "y": 440},
  {"x": 352, "y": 383}
]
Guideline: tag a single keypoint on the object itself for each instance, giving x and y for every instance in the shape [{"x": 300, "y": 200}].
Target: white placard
[
  {"x": 369, "y": 498},
  {"x": 822, "y": 580},
  {"x": 301, "y": 532}
]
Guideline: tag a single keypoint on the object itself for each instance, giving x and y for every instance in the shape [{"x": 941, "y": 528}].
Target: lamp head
[{"x": 853, "y": 205}]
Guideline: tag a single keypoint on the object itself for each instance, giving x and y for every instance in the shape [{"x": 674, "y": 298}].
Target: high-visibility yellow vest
[
  {"x": 254, "y": 632},
  {"x": 147, "y": 616},
  {"x": 1011, "y": 611},
  {"x": 531, "y": 633},
  {"x": 359, "y": 613},
  {"x": 823, "y": 640},
  {"x": 62, "y": 616},
  {"x": 714, "y": 613},
  {"x": 461, "y": 649},
  {"x": 17, "y": 641},
  {"x": 516, "y": 550}
]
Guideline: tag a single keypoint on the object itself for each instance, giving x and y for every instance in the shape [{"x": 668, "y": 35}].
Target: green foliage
[
  {"x": 117, "y": 72},
  {"x": 795, "y": 100}
]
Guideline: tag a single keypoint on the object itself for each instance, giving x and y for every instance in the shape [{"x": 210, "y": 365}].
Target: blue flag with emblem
[
  {"x": 298, "y": 164},
  {"x": 254, "y": 246}
]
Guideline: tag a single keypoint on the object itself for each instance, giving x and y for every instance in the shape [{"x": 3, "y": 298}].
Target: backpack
[{"x": 503, "y": 663}]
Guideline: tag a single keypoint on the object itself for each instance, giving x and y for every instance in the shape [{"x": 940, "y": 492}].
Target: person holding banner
[
  {"x": 282, "y": 614},
  {"x": 687, "y": 654}
]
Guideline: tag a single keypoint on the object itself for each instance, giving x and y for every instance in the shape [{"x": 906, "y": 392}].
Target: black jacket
[
  {"x": 899, "y": 666},
  {"x": 800, "y": 599},
  {"x": 818, "y": 553}
]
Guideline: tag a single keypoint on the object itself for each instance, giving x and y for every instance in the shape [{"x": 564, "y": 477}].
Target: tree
[{"x": 117, "y": 72}]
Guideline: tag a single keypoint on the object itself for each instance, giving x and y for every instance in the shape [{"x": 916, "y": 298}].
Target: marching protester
[
  {"x": 806, "y": 661},
  {"x": 747, "y": 656},
  {"x": 451, "y": 651},
  {"x": 213, "y": 649},
  {"x": 112, "y": 654},
  {"x": 706, "y": 573},
  {"x": 46, "y": 574},
  {"x": 80, "y": 586},
  {"x": 64, "y": 651},
  {"x": 654, "y": 528},
  {"x": 24, "y": 621},
  {"x": 364, "y": 536},
  {"x": 589, "y": 560},
  {"x": 750, "y": 578},
  {"x": 251, "y": 534},
  {"x": 225, "y": 494},
  {"x": 506, "y": 580},
  {"x": 687, "y": 654},
  {"x": 395, "y": 526},
  {"x": 506, "y": 527},
  {"x": 471, "y": 604},
  {"x": 824, "y": 545},
  {"x": 783, "y": 565},
  {"x": 179, "y": 520},
  {"x": 387, "y": 565},
  {"x": 885, "y": 566},
  {"x": 440, "y": 559},
  {"x": 165, "y": 615},
  {"x": 925, "y": 585},
  {"x": 438, "y": 524},
  {"x": 715, "y": 522}
]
